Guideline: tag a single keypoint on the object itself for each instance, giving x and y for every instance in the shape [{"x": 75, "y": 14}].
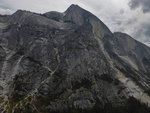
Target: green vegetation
[
  {"x": 86, "y": 83},
  {"x": 18, "y": 87},
  {"x": 21, "y": 106},
  {"x": 116, "y": 81},
  {"x": 148, "y": 90},
  {"x": 1, "y": 100},
  {"x": 106, "y": 77},
  {"x": 39, "y": 106},
  {"x": 131, "y": 106}
]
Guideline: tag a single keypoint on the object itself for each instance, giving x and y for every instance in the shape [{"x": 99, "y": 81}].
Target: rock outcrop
[{"x": 55, "y": 62}]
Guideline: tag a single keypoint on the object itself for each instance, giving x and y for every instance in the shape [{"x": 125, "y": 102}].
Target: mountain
[{"x": 70, "y": 62}]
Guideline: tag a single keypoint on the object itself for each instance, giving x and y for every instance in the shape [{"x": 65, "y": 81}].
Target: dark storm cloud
[{"x": 144, "y": 4}]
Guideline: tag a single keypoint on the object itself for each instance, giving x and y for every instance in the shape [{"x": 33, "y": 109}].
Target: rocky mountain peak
[
  {"x": 80, "y": 16},
  {"x": 70, "y": 62},
  {"x": 54, "y": 15},
  {"x": 21, "y": 17},
  {"x": 74, "y": 8},
  {"x": 76, "y": 14}
]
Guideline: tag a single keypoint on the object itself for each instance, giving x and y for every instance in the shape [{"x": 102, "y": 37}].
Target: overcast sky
[{"x": 129, "y": 16}]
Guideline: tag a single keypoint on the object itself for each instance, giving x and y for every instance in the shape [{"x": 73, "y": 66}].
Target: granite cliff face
[{"x": 55, "y": 62}]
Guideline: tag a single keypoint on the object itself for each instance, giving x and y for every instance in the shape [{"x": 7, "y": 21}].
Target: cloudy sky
[{"x": 129, "y": 16}]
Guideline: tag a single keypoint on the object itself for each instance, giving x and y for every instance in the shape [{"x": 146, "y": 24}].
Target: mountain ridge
[{"x": 55, "y": 62}]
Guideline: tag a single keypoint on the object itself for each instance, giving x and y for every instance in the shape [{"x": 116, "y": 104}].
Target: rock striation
[{"x": 55, "y": 62}]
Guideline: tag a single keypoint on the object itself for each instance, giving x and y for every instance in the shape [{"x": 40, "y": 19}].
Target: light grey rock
[{"x": 67, "y": 60}]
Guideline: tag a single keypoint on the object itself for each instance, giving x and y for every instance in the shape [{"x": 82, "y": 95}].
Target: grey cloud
[
  {"x": 147, "y": 30},
  {"x": 143, "y": 34},
  {"x": 5, "y": 5},
  {"x": 5, "y": 8},
  {"x": 5, "y": 11},
  {"x": 144, "y": 4},
  {"x": 121, "y": 11},
  {"x": 131, "y": 21},
  {"x": 118, "y": 22}
]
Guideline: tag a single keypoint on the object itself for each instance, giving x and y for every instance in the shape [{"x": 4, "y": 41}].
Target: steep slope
[
  {"x": 79, "y": 16},
  {"x": 28, "y": 18},
  {"x": 130, "y": 57},
  {"x": 60, "y": 61},
  {"x": 54, "y": 15}
]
